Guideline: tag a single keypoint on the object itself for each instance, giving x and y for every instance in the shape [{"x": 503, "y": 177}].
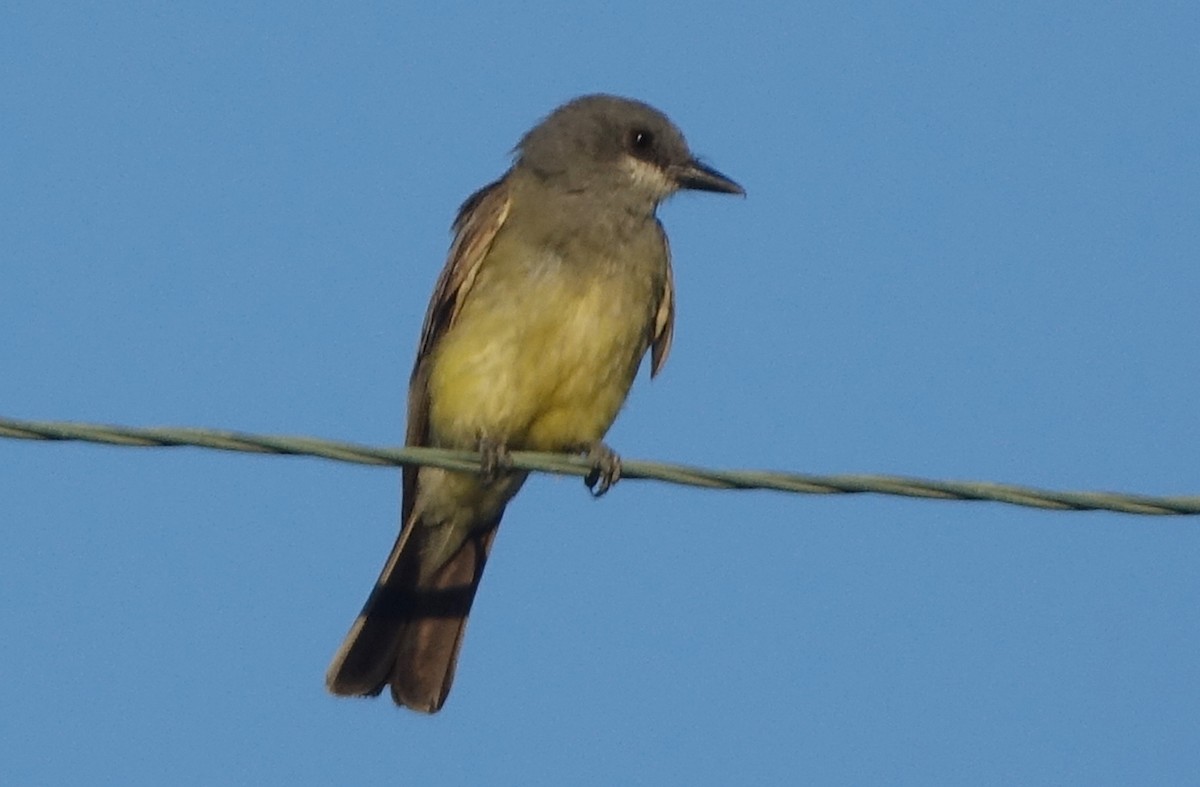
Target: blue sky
[{"x": 969, "y": 250}]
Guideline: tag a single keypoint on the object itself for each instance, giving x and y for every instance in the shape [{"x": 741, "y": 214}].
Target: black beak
[{"x": 694, "y": 175}]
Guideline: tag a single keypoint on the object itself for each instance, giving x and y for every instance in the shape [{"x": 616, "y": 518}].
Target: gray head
[{"x": 609, "y": 142}]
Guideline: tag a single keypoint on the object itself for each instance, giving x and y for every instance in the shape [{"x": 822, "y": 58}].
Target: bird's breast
[{"x": 544, "y": 349}]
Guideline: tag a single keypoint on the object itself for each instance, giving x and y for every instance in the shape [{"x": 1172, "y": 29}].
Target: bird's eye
[{"x": 641, "y": 141}]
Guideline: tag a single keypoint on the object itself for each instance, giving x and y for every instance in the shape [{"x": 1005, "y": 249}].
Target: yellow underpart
[{"x": 543, "y": 351}]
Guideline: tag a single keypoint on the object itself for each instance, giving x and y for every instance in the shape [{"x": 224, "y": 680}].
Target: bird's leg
[
  {"x": 495, "y": 461},
  {"x": 606, "y": 468}
]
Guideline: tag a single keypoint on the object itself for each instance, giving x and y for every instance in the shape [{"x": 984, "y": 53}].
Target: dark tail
[{"x": 409, "y": 631}]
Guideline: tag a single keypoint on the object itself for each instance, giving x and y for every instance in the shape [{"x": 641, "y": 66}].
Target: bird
[{"x": 558, "y": 281}]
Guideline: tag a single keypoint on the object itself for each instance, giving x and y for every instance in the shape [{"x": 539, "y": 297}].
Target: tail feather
[{"x": 411, "y": 627}]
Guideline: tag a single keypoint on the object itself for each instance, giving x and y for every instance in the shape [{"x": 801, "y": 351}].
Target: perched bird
[{"x": 557, "y": 283}]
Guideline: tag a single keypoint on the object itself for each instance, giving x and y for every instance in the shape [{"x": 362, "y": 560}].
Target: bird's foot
[
  {"x": 495, "y": 461},
  {"x": 606, "y": 468}
]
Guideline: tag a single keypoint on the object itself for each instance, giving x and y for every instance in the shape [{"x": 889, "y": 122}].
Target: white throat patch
[{"x": 648, "y": 177}]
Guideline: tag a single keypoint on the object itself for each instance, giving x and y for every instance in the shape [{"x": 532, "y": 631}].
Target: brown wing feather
[
  {"x": 664, "y": 318},
  {"x": 478, "y": 221},
  {"x": 411, "y": 626}
]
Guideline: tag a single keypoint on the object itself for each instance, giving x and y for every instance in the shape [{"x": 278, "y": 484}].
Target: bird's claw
[
  {"x": 606, "y": 469},
  {"x": 495, "y": 460}
]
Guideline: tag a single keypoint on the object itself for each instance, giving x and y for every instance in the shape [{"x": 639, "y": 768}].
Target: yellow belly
[{"x": 541, "y": 357}]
